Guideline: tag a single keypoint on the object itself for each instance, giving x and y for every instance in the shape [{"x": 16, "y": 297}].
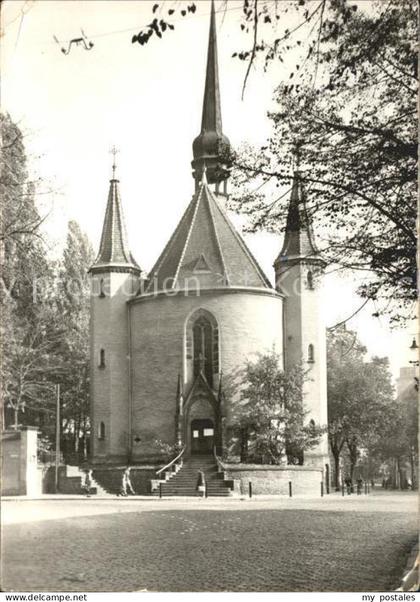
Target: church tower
[
  {"x": 299, "y": 271},
  {"x": 115, "y": 278}
]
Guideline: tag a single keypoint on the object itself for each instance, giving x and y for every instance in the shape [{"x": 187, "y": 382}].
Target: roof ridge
[
  {"x": 187, "y": 238},
  {"x": 241, "y": 242},
  {"x": 219, "y": 246},
  {"x": 166, "y": 248}
]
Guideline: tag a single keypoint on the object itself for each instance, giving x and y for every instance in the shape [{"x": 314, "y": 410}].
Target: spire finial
[{"x": 114, "y": 151}]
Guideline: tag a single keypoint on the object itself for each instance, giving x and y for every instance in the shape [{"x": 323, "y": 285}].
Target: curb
[{"x": 411, "y": 579}]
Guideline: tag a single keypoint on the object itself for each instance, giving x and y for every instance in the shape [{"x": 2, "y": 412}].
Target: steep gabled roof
[
  {"x": 114, "y": 253},
  {"x": 206, "y": 247}
]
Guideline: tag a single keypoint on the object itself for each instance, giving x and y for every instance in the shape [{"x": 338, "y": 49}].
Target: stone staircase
[
  {"x": 96, "y": 489},
  {"x": 184, "y": 482}
]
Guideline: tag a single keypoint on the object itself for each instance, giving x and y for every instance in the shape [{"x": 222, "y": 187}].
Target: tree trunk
[
  {"x": 352, "y": 446},
  {"x": 399, "y": 474},
  {"x": 16, "y": 418},
  {"x": 413, "y": 470},
  {"x": 76, "y": 435},
  {"x": 336, "y": 470},
  {"x": 336, "y": 445},
  {"x": 3, "y": 416},
  {"x": 84, "y": 439},
  {"x": 244, "y": 443}
]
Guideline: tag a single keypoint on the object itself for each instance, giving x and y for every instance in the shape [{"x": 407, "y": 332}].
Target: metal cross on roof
[{"x": 114, "y": 151}]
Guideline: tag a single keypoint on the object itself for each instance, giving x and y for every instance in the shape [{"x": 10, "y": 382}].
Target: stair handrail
[
  {"x": 172, "y": 461},
  {"x": 219, "y": 462}
]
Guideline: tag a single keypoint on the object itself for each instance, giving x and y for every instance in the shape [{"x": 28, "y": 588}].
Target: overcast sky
[{"x": 147, "y": 102}]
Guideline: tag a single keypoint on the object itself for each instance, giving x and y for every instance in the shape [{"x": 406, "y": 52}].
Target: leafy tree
[
  {"x": 31, "y": 366},
  {"x": 73, "y": 306},
  {"x": 269, "y": 414},
  {"x": 399, "y": 445},
  {"x": 27, "y": 334},
  {"x": 44, "y": 326},
  {"x": 19, "y": 216},
  {"x": 346, "y": 105},
  {"x": 360, "y": 398},
  {"x": 352, "y": 122}
]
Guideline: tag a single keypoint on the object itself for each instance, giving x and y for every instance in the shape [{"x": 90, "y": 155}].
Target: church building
[{"x": 161, "y": 344}]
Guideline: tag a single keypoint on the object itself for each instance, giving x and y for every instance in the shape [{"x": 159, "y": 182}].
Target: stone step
[
  {"x": 191, "y": 491},
  {"x": 193, "y": 477},
  {"x": 194, "y": 494},
  {"x": 184, "y": 482}
]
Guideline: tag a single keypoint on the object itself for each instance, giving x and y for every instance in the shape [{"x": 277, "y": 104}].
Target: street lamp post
[
  {"x": 57, "y": 437},
  {"x": 415, "y": 363}
]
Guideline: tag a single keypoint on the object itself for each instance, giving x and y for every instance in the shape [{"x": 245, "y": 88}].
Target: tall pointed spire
[
  {"x": 114, "y": 253},
  {"x": 298, "y": 239},
  {"x": 211, "y": 147},
  {"x": 212, "y": 115}
]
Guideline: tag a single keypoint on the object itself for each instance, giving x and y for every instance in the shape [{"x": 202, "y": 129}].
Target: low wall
[
  {"x": 110, "y": 479},
  {"x": 274, "y": 480}
]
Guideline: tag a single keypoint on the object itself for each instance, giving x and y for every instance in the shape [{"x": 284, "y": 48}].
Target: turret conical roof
[
  {"x": 298, "y": 239},
  {"x": 114, "y": 253}
]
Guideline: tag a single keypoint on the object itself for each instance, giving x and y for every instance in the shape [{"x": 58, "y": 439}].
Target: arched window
[
  {"x": 101, "y": 430},
  {"x": 102, "y": 358},
  {"x": 203, "y": 348},
  {"x": 310, "y": 280},
  {"x": 101, "y": 288},
  {"x": 311, "y": 354},
  {"x": 201, "y": 345}
]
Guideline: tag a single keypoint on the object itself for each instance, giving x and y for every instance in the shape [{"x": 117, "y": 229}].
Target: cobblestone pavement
[{"x": 250, "y": 547}]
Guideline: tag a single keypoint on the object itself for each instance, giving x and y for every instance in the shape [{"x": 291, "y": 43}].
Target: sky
[{"x": 145, "y": 100}]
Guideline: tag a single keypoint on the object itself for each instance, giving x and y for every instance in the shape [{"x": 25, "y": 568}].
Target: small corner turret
[{"x": 298, "y": 270}]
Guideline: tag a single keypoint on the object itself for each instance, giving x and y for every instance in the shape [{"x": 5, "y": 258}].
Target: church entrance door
[{"x": 202, "y": 436}]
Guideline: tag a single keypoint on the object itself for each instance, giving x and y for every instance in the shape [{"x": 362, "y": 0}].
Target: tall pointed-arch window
[{"x": 205, "y": 348}]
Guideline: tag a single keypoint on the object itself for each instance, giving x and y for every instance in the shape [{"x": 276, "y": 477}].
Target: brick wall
[
  {"x": 273, "y": 480},
  {"x": 248, "y": 323},
  {"x": 109, "y": 384},
  {"x": 304, "y": 326}
]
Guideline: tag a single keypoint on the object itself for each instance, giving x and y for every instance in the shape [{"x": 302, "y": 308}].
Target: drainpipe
[{"x": 130, "y": 389}]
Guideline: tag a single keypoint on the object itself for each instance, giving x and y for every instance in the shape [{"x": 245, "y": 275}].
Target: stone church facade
[{"x": 160, "y": 344}]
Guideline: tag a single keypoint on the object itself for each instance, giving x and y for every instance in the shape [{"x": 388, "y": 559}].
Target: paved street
[{"x": 329, "y": 544}]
